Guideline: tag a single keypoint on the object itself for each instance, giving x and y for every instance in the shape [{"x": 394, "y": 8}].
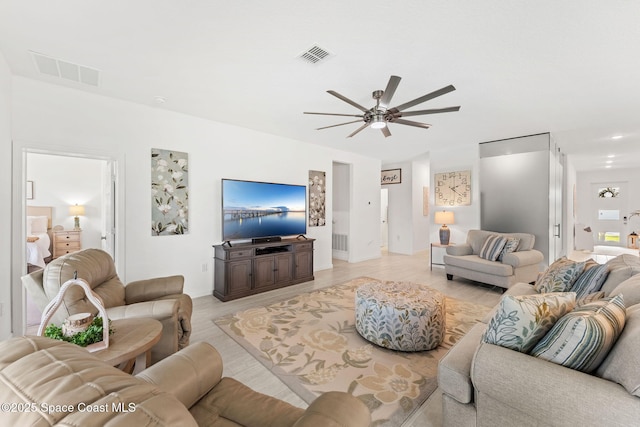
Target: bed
[{"x": 38, "y": 236}]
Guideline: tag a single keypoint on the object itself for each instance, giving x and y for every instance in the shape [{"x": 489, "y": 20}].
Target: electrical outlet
[
  {"x": 205, "y": 267},
  {"x": 1, "y": 309}
]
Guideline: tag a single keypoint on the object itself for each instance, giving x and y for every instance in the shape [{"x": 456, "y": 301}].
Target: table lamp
[
  {"x": 444, "y": 218},
  {"x": 76, "y": 211}
]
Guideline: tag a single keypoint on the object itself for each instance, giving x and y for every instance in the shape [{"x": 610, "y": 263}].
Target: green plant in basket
[{"x": 91, "y": 335}]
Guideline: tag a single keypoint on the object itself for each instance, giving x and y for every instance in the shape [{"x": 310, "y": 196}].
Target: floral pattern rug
[{"x": 311, "y": 344}]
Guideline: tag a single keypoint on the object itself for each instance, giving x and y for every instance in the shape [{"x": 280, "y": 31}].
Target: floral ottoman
[{"x": 400, "y": 315}]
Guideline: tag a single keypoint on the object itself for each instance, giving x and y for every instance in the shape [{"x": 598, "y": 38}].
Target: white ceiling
[{"x": 520, "y": 67}]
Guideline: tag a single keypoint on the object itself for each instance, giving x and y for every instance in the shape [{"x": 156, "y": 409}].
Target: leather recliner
[
  {"x": 159, "y": 298},
  {"x": 48, "y": 382}
]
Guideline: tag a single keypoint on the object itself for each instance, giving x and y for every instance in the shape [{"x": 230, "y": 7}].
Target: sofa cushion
[
  {"x": 590, "y": 280},
  {"x": 559, "y": 276},
  {"x": 630, "y": 289},
  {"x": 492, "y": 247},
  {"x": 622, "y": 362},
  {"x": 621, "y": 268},
  {"x": 521, "y": 321},
  {"x": 475, "y": 263},
  {"x": 582, "y": 339}
]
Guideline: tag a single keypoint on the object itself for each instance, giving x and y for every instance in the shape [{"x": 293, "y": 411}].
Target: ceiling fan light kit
[{"x": 378, "y": 116}]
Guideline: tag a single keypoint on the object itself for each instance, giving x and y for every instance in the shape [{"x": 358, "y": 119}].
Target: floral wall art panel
[
  {"x": 169, "y": 192},
  {"x": 317, "y": 198}
]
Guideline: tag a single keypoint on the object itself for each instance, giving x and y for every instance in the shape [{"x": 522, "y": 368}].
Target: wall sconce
[
  {"x": 444, "y": 218},
  {"x": 76, "y": 211}
]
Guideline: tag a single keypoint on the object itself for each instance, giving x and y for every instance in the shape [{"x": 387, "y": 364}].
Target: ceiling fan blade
[
  {"x": 411, "y": 123},
  {"x": 385, "y": 131},
  {"x": 389, "y": 91},
  {"x": 335, "y": 114},
  {"x": 358, "y": 130},
  {"x": 340, "y": 124},
  {"x": 431, "y": 111},
  {"x": 348, "y": 101},
  {"x": 423, "y": 98}
]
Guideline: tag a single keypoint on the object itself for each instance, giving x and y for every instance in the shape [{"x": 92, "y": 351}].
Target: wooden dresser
[{"x": 66, "y": 242}]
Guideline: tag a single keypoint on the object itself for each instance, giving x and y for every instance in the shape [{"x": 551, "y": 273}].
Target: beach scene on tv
[{"x": 260, "y": 209}]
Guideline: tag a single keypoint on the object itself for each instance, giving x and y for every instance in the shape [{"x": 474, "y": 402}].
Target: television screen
[{"x": 262, "y": 209}]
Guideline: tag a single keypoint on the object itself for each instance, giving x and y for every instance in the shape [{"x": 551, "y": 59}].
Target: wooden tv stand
[{"x": 250, "y": 268}]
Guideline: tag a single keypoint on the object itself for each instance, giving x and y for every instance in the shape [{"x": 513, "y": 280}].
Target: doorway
[{"x": 102, "y": 224}]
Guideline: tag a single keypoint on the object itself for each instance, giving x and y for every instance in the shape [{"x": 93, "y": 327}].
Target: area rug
[{"x": 311, "y": 344}]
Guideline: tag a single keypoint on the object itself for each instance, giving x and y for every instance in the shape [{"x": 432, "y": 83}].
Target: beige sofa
[
  {"x": 522, "y": 265},
  {"x": 47, "y": 382},
  {"x": 159, "y": 298},
  {"x": 489, "y": 385}
]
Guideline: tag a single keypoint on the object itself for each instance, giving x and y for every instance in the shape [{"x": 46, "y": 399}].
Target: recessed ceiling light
[
  {"x": 608, "y": 166},
  {"x": 611, "y": 156},
  {"x": 616, "y": 137},
  {"x": 609, "y": 161}
]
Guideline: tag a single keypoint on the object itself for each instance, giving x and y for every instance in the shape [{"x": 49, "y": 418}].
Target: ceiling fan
[{"x": 377, "y": 117}]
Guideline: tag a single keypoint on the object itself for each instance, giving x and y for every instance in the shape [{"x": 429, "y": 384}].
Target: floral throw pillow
[
  {"x": 510, "y": 246},
  {"x": 560, "y": 276},
  {"x": 521, "y": 321}
]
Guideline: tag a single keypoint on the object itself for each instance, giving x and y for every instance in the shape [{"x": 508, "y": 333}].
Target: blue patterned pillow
[
  {"x": 510, "y": 246},
  {"x": 582, "y": 339},
  {"x": 492, "y": 247},
  {"x": 560, "y": 276},
  {"x": 590, "y": 281},
  {"x": 521, "y": 321}
]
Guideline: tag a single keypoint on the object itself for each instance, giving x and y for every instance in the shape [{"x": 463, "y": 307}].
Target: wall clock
[{"x": 453, "y": 188}]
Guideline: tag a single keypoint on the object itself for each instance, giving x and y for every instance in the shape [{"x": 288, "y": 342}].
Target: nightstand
[
  {"x": 66, "y": 242},
  {"x": 436, "y": 245}
]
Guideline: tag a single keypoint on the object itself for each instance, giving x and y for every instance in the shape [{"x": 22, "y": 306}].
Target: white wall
[
  {"x": 61, "y": 181},
  {"x": 5, "y": 194},
  {"x": 52, "y": 115}
]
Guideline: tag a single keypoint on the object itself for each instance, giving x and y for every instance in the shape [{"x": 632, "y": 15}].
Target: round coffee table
[
  {"x": 400, "y": 315},
  {"x": 131, "y": 341}
]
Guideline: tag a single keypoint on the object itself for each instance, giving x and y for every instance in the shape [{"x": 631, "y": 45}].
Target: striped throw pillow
[
  {"x": 590, "y": 281},
  {"x": 582, "y": 339},
  {"x": 492, "y": 247}
]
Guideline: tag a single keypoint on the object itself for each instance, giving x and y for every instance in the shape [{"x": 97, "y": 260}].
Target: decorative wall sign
[
  {"x": 391, "y": 176},
  {"x": 317, "y": 198},
  {"x": 169, "y": 192}
]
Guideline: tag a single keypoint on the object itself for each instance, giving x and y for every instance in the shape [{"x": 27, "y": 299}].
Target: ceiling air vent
[
  {"x": 314, "y": 54},
  {"x": 66, "y": 70}
]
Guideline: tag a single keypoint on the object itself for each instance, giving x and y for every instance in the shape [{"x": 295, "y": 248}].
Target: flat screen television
[{"x": 253, "y": 210}]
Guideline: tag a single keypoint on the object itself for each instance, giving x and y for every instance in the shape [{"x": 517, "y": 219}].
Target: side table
[
  {"x": 131, "y": 341},
  {"x": 436, "y": 245}
]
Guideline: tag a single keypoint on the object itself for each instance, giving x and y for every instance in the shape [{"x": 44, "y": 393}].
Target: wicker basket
[{"x": 92, "y": 297}]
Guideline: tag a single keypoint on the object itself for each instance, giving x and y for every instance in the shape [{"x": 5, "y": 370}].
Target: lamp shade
[
  {"x": 444, "y": 217},
  {"x": 76, "y": 210}
]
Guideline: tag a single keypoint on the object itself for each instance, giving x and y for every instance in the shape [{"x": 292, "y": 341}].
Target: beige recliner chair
[
  {"x": 47, "y": 382},
  {"x": 159, "y": 298}
]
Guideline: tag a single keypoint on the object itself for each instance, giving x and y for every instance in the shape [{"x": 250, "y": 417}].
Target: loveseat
[
  {"x": 487, "y": 384},
  {"x": 48, "y": 382},
  {"x": 158, "y": 298},
  {"x": 500, "y": 259}
]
